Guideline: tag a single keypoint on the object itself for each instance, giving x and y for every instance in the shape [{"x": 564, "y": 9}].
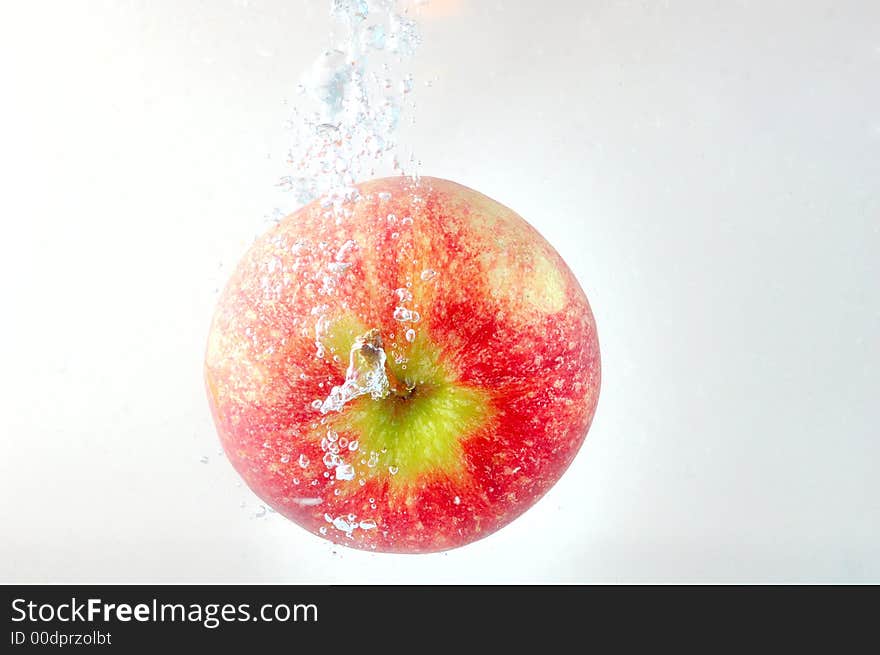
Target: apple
[{"x": 407, "y": 373}]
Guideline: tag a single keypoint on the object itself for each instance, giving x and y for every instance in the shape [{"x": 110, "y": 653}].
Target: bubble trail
[{"x": 351, "y": 102}]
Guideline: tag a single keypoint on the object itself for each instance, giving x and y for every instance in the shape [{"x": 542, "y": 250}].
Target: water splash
[
  {"x": 351, "y": 102},
  {"x": 366, "y": 374}
]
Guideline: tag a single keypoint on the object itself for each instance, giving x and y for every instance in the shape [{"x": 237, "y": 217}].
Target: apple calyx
[
  {"x": 367, "y": 373},
  {"x": 370, "y": 349}
]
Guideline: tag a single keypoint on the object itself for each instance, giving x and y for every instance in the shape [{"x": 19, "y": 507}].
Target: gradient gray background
[{"x": 708, "y": 169}]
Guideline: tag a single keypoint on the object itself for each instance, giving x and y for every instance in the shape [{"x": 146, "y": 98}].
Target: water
[
  {"x": 366, "y": 374},
  {"x": 350, "y": 103},
  {"x": 348, "y": 108}
]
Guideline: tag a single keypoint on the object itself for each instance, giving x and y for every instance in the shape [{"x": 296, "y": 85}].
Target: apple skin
[{"x": 505, "y": 343}]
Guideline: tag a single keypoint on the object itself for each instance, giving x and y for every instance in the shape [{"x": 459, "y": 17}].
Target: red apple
[{"x": 409, "y": 375}]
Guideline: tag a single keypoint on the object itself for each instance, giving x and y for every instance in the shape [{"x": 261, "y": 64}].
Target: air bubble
[
  {"x": 375, "y": 37},
  {"x": 353, "y": 446},
  {"x": 203, "y": 459},
  {"x": 345, "y": 472},
  {"x": 393, "y": 470},
  {"x": 428, "y": 274},
  {"x": 341, "y": 524},
  {"x": 303, "y": 461},
  {"x": 410, "y": 335},
  {"x": 403, "y": 314},
  {"x": 285, "y": 459}
]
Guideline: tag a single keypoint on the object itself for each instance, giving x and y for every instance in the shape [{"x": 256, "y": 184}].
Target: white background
[{"x": 710, "y": 171}]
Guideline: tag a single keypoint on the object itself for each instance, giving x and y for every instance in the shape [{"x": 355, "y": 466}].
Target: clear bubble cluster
[{"x": 350, "y": 103}]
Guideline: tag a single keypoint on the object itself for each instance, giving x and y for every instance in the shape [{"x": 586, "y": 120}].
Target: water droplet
[
  {"x": 410, "y": 335},
  {"x": 456, "y": 500},
  {"x": 353, "y": 446},
  {"x": 343, "y": 443},
  {"x": 322, "y": 530},
  {"x": 285, "y": 459},
  {"x": 316, "y": 404},
  {"x": 428, "y": 274},
  {"x": 404, "y": 294},
  {"x": 296, "y": 481},
  {"x": 367, "y": 525},
  {"x": 393, "y": 470},
  {"x": 303, "y": 461}
]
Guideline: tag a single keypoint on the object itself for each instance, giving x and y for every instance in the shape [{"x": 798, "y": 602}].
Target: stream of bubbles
[{"x": 351, "y": 102}]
